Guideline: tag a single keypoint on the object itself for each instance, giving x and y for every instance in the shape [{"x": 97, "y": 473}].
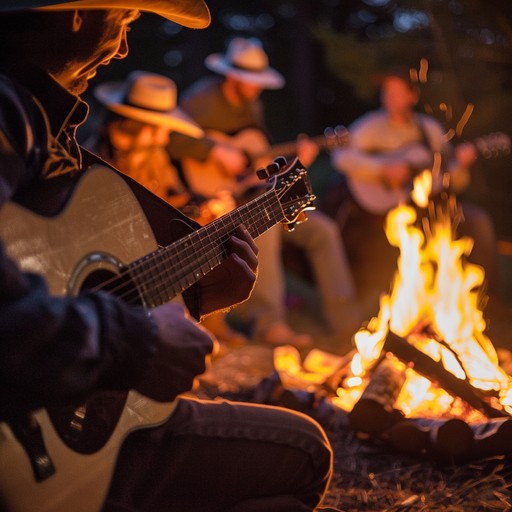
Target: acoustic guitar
[
  {"x": 377, "y": 198},
  {"x": 208, "y": 177},
  {"x": 62, "y": 459}
]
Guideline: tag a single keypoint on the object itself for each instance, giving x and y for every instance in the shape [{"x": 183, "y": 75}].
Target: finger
[
  {"x": 241, "y": 251},
  {"x": 243, "y": 235},
  {"x": 245, "y": 258}
]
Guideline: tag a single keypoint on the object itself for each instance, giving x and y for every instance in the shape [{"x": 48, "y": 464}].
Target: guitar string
[
  {"x": 161, "y": 288},
  {"x": 188, "y": 249},
  {"x": 190, "y": 269},
  {"x": 182, "y": 247},
  {"x": 208, "y": 262}
]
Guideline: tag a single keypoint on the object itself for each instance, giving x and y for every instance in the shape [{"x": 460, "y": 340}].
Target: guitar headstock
[
  {"x": 290, "y": 182},
  {"x": 336, "y": 137}
]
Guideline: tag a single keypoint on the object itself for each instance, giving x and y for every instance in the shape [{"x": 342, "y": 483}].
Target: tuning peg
[
  {"x": 280, "y": 161},
  {"x": 262, "y": 173},
  {"x": 271, "y": 169},
  {"x": 302, "y": 217},
  {"x": 341, "y": 131}
]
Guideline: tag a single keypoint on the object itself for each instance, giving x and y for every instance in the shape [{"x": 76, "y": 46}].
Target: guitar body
[
  {"x": 375, "y": 197},
  {"x": 81, "y": 481},
  {"x": 208, "y": 177},
  {"x": 62, "y": 459},
  {"x": 102, "y": 228}
]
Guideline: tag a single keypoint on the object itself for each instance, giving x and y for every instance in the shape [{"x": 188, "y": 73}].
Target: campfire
[{"x": 423, "y": 376}]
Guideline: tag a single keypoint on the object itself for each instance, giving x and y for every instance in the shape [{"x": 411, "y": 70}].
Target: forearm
[
  {"x": 182, "y": 146},
  {"x": 57, "y": 349}
]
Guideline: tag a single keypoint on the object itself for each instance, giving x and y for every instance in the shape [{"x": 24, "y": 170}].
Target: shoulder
[
  {"x": 370, "y": 121},
  {"x": 430, "y": 123},
  {"x": 18, "y": 156},
  {"x": 13, "y": 95},
  {"x": 202, "y": 88},
  {"x": 18, "y": 113},
  {"x": 371, "y": 117}
]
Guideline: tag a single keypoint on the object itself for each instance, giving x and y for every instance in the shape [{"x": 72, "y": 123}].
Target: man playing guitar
[
  {"x": 63, "y": 345},
  {"x": 387, "y": 148}
]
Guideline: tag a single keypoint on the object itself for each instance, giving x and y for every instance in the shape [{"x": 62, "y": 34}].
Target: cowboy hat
[
  {"x": 246, "y": 60},
  {"x": 189, "y": 13},
  {"x": 149, "y": 98}
]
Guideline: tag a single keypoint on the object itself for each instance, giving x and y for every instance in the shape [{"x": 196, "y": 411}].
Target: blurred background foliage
[{"x": 331, "y": 53}]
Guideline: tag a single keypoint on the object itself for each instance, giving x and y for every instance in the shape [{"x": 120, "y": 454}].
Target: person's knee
[{"x": 318, "y": 445}]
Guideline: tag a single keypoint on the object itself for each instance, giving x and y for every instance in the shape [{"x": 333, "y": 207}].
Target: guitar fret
[{"x": 186, "y": 261}]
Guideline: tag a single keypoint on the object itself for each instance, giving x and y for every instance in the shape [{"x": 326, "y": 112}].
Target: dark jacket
[{"x": 54, "y": 349}]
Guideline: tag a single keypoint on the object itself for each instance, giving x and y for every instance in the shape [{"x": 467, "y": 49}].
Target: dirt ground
[{"x": 369, "y": 476}]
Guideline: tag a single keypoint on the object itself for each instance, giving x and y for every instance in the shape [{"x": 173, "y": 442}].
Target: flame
[
  {"x": 435, "y": 286},
  {"x": 433, "y": 304}
]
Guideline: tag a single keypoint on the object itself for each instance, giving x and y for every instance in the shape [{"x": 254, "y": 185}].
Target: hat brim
[
  {"x": 269, "y": 78},
  {"x": 189, "y": 13},
  {"x": 111, "y": 95}
]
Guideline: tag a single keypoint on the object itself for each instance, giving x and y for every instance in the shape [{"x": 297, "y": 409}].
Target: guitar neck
[
  {"x": 288, "y": 149},
  {"x": 167, "y": 272}
]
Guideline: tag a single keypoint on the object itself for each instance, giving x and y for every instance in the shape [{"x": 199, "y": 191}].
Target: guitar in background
[
  {"x": 378, "y": 198},
  {"x": 208, "y": 177},
  {"x": 61, "y": 459}
]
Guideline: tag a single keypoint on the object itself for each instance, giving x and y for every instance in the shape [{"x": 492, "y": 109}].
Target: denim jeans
[
  {"x": 323, "y": 247},
  {"x": 223, "y": 456}
]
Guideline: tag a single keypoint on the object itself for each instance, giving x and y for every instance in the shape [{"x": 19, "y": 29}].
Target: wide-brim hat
[
  {"x": 189, "y": 13},
  {"x": 149, "y": 98},
  {"x": 246, "y": 60}
]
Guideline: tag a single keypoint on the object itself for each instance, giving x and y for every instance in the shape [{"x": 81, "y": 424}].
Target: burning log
[
  {"x": 374, "y": 412},
  {"x": 426, "y": 366}
]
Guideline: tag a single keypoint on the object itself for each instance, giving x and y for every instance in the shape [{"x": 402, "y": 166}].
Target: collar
[{"x": 61, "y": 107}]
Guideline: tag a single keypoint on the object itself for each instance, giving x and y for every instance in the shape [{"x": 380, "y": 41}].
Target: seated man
[
  {"x": 387, "y": 147},
  {"x": 59, "y": 351}
]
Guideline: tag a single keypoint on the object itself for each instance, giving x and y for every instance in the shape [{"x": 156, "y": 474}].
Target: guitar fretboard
[
  {"x": 289, "y": 148},
  {"x": 169, "y": 271}
]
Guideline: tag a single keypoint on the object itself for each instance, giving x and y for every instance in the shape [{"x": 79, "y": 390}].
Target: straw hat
[
  {"x": 190, "y": 13},
  {"x": 149, "y": 98},
  {"x": 246, "y": 60}
]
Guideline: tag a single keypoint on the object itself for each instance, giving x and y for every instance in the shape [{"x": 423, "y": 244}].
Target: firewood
[
  {"x": 374, "y": 412},
  {"x": 434, "y": 371},
  {"x": 453, "y": 438},
  {"x": 493, "y": 437},
  {"x": 437, "y": 437}
]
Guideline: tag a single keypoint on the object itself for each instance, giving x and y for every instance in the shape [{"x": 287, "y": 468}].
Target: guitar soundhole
[{"x": 119, "y": 285}]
